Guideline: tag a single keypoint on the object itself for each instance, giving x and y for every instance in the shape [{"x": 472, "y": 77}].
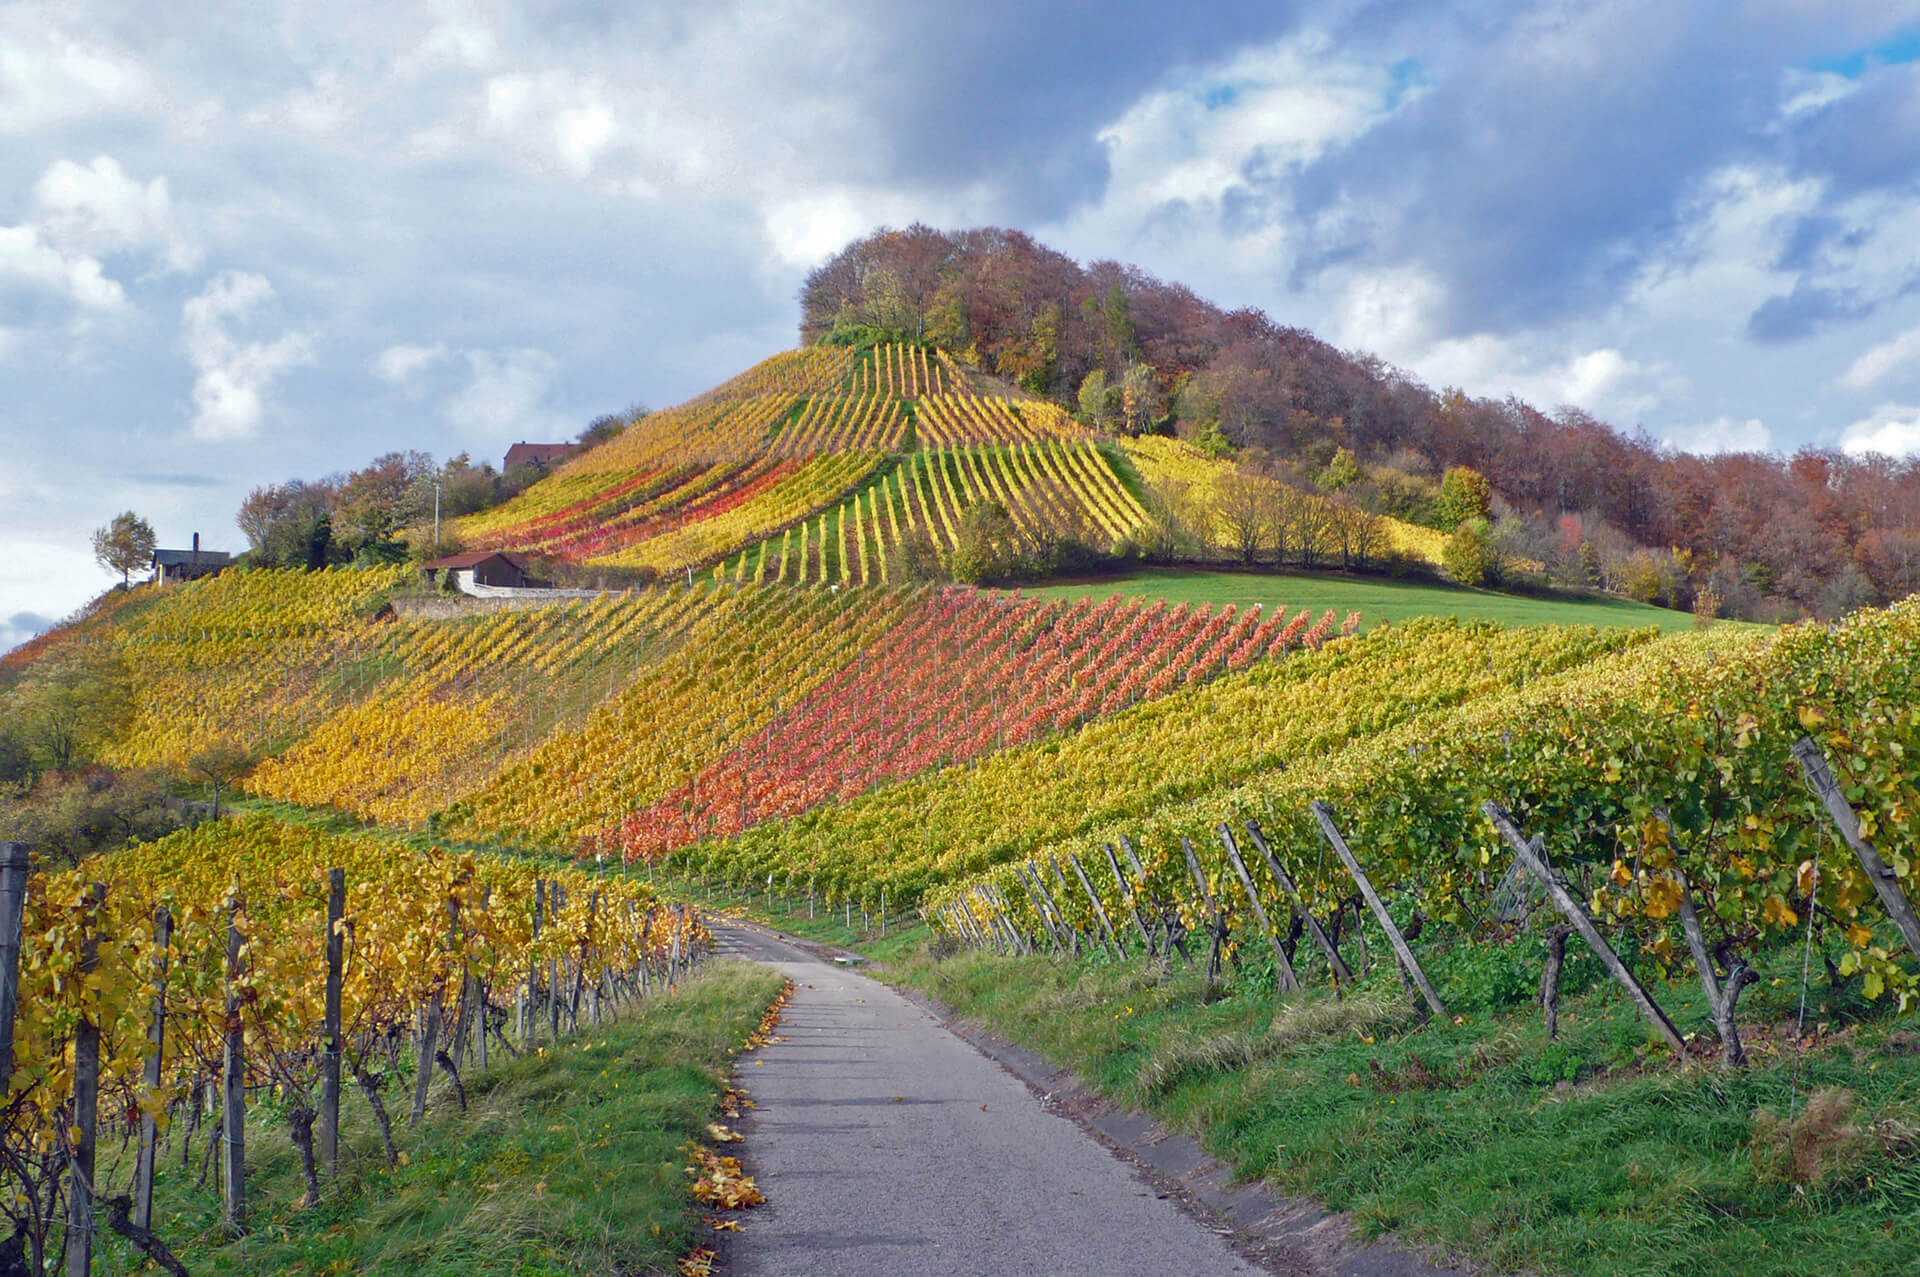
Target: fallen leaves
[{"x": 719, "y": 1181}]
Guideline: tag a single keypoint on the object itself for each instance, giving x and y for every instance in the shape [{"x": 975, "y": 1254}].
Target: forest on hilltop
[{"x": 1770, "y": 536}]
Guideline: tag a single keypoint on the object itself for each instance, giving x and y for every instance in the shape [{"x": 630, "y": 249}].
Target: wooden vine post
[
  {"x": 1323, "y": 814},
  {"x": 15, "y": 863},
  {"x": 1341, "y": 974},
  {"x": 1283, "y": 975},
  {"x": 1217, "y": 925},
  {"x": 233, "y": 1081},
  {"x": 331, "y": 1043},
  {"x": 1099, "y": 911},
  {"x": 156, "y": 1048},
  {"x": 1127, "y": 895},
  {"x": 1576, "y": 914},
  {"x": 86, "y": 1098},
  {"x": 1886, "y": 885}
]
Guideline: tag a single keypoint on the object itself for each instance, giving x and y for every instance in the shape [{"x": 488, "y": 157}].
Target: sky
[{"x": 241, "y": 243}]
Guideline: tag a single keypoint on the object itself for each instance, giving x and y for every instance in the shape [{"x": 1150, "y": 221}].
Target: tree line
[{"x": 1765, "y": 536}]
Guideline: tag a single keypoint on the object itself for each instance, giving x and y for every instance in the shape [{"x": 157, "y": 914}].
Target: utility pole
[{"x": 436, "y": 518}]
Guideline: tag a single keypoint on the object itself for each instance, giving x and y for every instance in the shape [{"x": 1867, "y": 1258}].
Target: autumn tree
[
  {"x": 124, "y": 545},
  {"x": 1244, "y": 512},
  {"x": 289, "y": 525},
  {"x": 1464, "y": 495}
]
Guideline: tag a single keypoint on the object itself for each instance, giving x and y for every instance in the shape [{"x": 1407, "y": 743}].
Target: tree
[
  {"x": 220, "y": 765},
  {"x": 124, "y": 545},
  {"x": 1341, "y": 472},
  {"x": 289, "y": 525},
  {"x": 1244, "y": 512},
  {"x": 1467, "y": 553},
  {"x": 1464, "y": 494},
  {"x": 1096, "y": 399}
]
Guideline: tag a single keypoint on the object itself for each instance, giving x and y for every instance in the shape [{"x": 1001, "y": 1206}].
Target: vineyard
[
  {"x": 789, "y": 705},
  {"x": 1680, "y": 790},
  {"x": 161, "y": 986},
  {"x": 812, "y": 468}
]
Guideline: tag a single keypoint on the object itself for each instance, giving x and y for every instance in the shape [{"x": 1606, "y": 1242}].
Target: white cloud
[
  {"x": 47, "y": 79},
  {"x": 397, "y": 365},
  {"x": 1722, "y": 434},
  {"x": 27, "y": 256},
  {"x": 504, "y": 396},
  {"x": 1893, "y": 429},
  {"x": 1899, "y": 354},
  {"x": 1804, "y": 91},
  {"x": 232, "y": 376},
  {"x": 552, "y": 119},
  {"x": 81, "y": 213},
  {"x": 97, "y": 209}
]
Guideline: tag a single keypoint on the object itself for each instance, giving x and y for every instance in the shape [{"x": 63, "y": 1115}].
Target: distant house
[
  {"x": 173, "y": 566},
  {"x": 535, "y": 454},
  {"x": 480, "y": 567}
]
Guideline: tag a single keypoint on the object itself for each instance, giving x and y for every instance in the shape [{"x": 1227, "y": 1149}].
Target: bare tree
[{"x": 1243, "y": 510}]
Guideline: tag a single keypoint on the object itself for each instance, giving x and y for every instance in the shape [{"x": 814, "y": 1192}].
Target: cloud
[
  {"x": 27, "y": 257},
  {"x": 232, "y": 376},
  {"x": 1898, "y": 355},
  {"x": 97, "y": 209},
  {"x": 397, "y": 365},
  {"x": 1893, "y": 430},
  {"x": 80, "y": 214},
  {"x": 1722, "y": 434},
  {"x": 47, "y": 78},
  {"x": 504, "y": 396},
  {"x": 21, "y": 626}
]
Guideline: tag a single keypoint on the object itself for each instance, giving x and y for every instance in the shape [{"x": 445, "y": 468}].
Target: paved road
[{"x": 886, "y": 1145}]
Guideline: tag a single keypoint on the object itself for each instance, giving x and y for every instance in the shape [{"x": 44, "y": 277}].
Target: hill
[
  {"x": 1775, "y": 537},
  {"x": 894, "y": 462}
]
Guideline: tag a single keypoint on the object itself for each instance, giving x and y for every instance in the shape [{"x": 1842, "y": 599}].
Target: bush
[{"x": 1469, "y": 553}]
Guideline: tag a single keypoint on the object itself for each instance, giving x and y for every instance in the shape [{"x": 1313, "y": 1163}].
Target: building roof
[
  {"x": 474, "y": 558},
  {"x": 537, "y": 453},
  {"x": 190, "y": 558}
]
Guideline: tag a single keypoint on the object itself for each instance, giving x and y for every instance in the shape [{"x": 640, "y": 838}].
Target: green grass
[
  {"x": 570, "y": 1161},
  {"x": 1376, "y": 599},
  {"x": 1589, "y": 1155}
]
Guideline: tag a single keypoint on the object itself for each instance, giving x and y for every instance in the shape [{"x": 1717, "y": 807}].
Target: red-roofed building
[
  {"x": 535, "y": 454},
  {"x": 480, "y": 567}
]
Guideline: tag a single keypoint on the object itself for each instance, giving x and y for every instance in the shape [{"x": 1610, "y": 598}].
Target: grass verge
[
  {"x": 1591, "y": 1154},
  {"x": 569, "y": 1161}
]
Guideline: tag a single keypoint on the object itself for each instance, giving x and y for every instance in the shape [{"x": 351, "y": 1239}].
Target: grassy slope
[
  {"x": 568, "y": 1162},
  {"x": 1376, "y": 599},
  {"x": 1592, "y": 1155}
]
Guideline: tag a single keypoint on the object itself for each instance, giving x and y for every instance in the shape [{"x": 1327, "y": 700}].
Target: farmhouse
[
  {"x": 173, "y": 566},
  {"x": 480, "y": 567},
  {"x": 535, "y": 454}
]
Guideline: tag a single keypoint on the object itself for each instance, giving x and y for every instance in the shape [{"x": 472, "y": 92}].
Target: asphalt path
[{"x": 886, "y": 1145}]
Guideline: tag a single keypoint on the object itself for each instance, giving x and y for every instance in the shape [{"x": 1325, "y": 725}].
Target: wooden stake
[
  {"x": 233, "y": 1136},
  {"x": 1283, "y": 974},
  {"x": 86, "y": 1102},
  {"x": 1576, "y": 914},
  {"x": 1099, "y": 911},
  {"x": 1409, "y": 964},
  {"x": 1217, "y": 927},
  {"x": 1820, "y": 779},
  {"x": 1341, "y": 974},
  {"x": 330, "y": 1041},
  {"x": 1113, "y": 863},
  {"x": 14, "y": 867},
  {"x": 156, "y": 1046}
]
